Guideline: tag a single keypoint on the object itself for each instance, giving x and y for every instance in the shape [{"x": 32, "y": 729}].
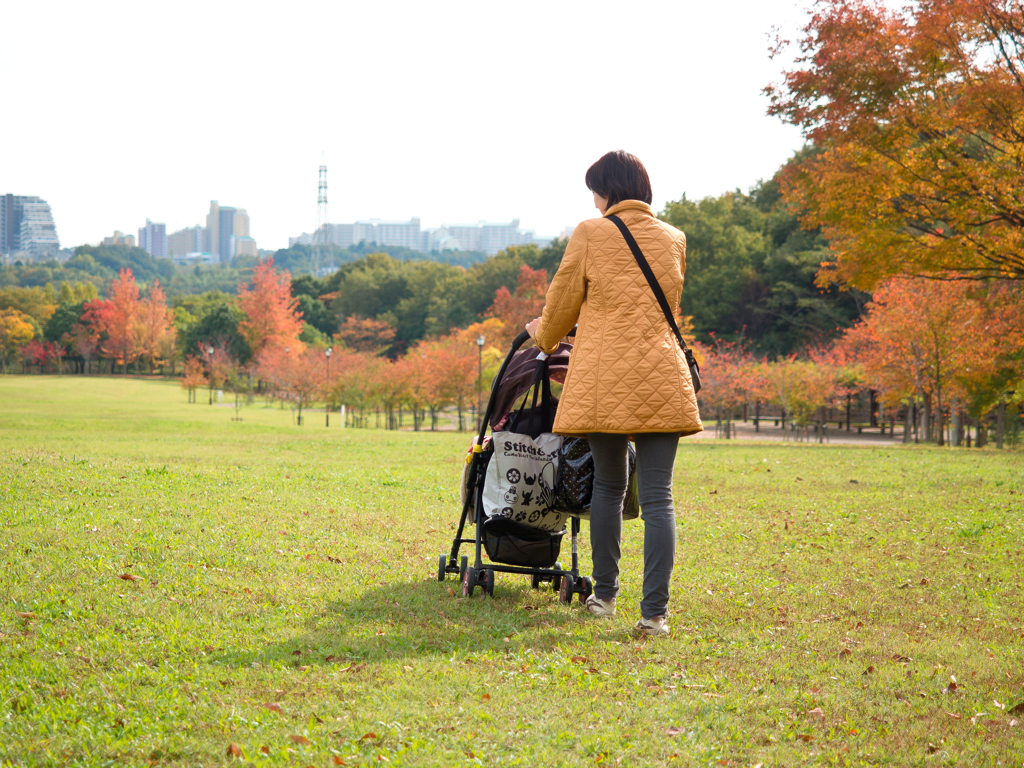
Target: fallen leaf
[
  {"x": 954, "y": 715},
  {"x": 451, "y": 592},
  {"x": 265, "y": 749},
  {"x": 233, "y": 750},
  {"x": 900, "y": 659},
  {"x": 130, "y": 577},
  {"x": 845, "y": 653},
  {"x": 25, "y": 615},
  {"x": 1016, "y": 709},
  {"x": 903, "y": 585},
  {"x": 925, "y": 581},
  {"x": 855, "y": 482},
  {"x": 296, "y": 653},
  {"x": 674, "y": 731},
  {"x": 485, "y": 697},
  {"x": 579, "y": 659},
  {"x": 713, "y": 493},
  {"x": 338, "y": 760},
  {"x": 952, "y": 686},
  {"x": 367, "y": 736},
  {"x": 333, "y": 560},
  {"x": 816, "y": 712},
  {"x": 407, "y": 668},
  {"x": 273, "y": 706},
  {"x": 299, "y": 739},
  {"x": 805, "y": 737}
]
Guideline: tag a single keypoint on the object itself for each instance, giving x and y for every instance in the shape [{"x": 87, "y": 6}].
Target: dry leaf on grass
[
  {"x": 233, "y": 750},
  {"x": 273, "y": 706},
  {"x": 1016, "y": 709},
  {"x": 338, "y": 760},
  {"x": 485, "y": 697},
  {"x": 674, "y": 731},
  {"x": 130, "y": 577},
  {"x": 368, "y": 736},
  {"x": 25, "y": 615},
  {"x": 299, "y": 739},
  {"x": 806, "y": 737}
]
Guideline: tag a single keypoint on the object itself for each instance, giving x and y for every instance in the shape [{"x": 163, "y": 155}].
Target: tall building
[
  {"x": 153, "y": 239},
  {"x": 223, "y": 226},
  {"x": 26, "y": 225},
  {"x": 186, "y": 241}
]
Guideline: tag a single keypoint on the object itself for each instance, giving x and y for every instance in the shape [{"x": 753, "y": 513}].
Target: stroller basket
[{"x": 506, "y": 541}]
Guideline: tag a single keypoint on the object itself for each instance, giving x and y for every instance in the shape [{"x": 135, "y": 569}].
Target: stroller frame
[{"x": 567, "y": 582}]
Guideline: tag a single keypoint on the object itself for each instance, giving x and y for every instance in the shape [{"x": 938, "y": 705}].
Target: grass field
[{"x": 831, "y": 605}]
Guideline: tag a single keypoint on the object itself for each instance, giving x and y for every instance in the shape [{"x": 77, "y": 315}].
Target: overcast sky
[{"x": 450, "y": 111}]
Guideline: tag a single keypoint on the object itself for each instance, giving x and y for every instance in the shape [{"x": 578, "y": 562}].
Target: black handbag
[
  {"x": 652, "y": 281},
  {"x": 574, "y": 488}
]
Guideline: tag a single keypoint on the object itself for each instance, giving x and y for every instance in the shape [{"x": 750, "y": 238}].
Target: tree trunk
[
  {"x": 926, "y": 412},
  {"x": 957, "y": 424},
  {"x": 1000, "y": 425},
  {"x": 982, "y": 428},
  {"x": 907, "y": 422}
]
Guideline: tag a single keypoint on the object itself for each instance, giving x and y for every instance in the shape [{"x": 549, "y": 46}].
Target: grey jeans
[{"x": 655, "y": 459}]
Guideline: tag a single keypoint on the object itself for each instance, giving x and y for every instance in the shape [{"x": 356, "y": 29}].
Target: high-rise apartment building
[
  {"x": 223, "y": 226},
  {"x": 185, "y": 241},
  {"x": 26, "y": 225},
  {"x": 485, "y": 236},
  {"x": 153, "y": 239}
]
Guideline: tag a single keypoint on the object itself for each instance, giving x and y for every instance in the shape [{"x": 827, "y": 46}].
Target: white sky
[{"x": 451, "y": 111}]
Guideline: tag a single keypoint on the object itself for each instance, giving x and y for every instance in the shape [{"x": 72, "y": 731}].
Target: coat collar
[{"x": 630, "y": 205}]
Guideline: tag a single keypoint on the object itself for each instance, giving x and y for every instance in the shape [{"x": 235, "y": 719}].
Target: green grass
[{"x": 288, "y": 603}]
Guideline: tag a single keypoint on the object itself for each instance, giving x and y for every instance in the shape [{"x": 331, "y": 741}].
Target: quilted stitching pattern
[{"x": 626, "y": 371}]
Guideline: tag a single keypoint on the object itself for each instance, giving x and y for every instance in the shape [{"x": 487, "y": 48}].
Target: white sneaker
[
  {"x": 603, "y": 609},
  {"x": 654, "y": 627}
]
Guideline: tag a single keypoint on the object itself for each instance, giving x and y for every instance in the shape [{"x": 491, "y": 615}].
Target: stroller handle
[{"x": 517, "y": 342}]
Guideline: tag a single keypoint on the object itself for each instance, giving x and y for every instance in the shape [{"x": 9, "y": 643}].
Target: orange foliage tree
[
  {"x": 729, "y": 379},
  {"x": 364, "y": 334},
  {"x": 156, "y": 332},
  {"x": 272, "y": 319},
  {"x": 516, "y": 309},
  {"x": 932, "y": 340},
  {"x": 118, "y": 318},
  {"x": 195, "y": 376},
  {"x": 916, "y": 116}
]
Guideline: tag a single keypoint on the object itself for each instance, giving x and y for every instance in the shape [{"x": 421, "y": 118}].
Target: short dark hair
[{"x": 620, "y": 176}]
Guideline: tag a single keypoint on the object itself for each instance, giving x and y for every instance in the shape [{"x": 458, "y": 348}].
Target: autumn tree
[
  {"x": 272, "y": 320},
  {"x": 728, "y": 379},
  {"x": 118, "y": 318},
  {"x": 156, "y": 333},
  {"x": 516, "y": 309},
  {"x": 916, "y": 117},
  {"x": 364, "y": 334},
  {"x": 195, "y": 376},
  {"x": 15, "y": 332}
]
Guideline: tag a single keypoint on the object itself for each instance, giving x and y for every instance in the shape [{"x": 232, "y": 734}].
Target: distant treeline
[{"x": 750, "y": 274}]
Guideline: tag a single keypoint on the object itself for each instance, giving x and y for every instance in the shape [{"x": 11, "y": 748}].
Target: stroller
[{"x": 510, "y": 546}]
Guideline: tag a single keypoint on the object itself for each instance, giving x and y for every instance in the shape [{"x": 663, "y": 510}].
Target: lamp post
[
  {"x": 209, "y": 363},
  {"x": 479, "y": 378},
  {"x": 327, "y": 405}
]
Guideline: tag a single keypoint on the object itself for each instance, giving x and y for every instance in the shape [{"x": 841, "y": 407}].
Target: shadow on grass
[{"x": 421, "y": 619}]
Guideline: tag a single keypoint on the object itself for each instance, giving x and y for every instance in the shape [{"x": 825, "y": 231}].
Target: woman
[{"x": 627, "y": 375}]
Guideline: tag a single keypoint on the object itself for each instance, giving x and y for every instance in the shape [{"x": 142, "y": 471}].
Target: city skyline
[{"x": 501, "y": 121}]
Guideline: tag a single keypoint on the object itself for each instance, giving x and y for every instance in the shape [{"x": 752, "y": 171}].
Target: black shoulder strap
[{"x": 651, "y": 279}]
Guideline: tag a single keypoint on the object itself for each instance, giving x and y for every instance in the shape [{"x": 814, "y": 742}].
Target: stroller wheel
[
  {"x": 469, "y": 582},
  {"x": 463, "y": 564},
  {"x": 488, "y": 583},
  {"x": 442, "y": 563},
  {"x": 566, "y": 589},
  {"x": 535, "y": 581},
  {"x": 586, "y": 588}
]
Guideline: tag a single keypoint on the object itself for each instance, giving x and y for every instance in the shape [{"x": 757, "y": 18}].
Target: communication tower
[{"x": 321, "y": 236}]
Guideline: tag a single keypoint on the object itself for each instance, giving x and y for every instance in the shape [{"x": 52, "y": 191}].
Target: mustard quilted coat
[{"x": 627, "y": 373}]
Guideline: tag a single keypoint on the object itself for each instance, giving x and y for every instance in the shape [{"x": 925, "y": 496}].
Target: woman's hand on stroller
[{"x": 531, "y": 327}]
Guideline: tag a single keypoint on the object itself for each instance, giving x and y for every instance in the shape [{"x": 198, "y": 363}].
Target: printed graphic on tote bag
[{"x": 520, "y": 479}]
